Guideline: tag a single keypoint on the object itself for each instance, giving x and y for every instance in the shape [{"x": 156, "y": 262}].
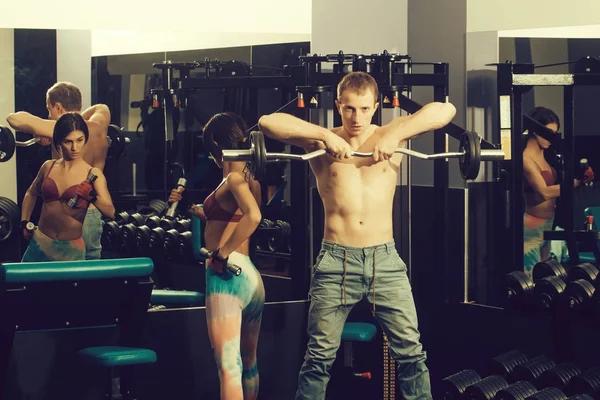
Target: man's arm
[
  {"x": 97, "y": 117},
  {"x": 292, "y": 130},
  {"x": 393, "y": 135},
  {"x": 432, "y": 116},
  {"x": 25, "y": 122}
]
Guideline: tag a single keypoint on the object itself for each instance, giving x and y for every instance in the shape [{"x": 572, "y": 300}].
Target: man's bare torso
[{"x": 357, "y": 194}]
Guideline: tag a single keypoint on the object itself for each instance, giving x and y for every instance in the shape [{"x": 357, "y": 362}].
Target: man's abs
[{"x": 358, "y": 202}]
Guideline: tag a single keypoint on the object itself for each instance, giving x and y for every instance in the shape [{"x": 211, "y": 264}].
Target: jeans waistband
[{"x": 388, "y": 248}]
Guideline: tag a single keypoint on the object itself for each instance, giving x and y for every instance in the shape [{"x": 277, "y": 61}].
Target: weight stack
[{"x": 389, "y": 372}]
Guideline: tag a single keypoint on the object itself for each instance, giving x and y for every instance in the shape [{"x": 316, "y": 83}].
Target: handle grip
[
  {"x": 234, "y": 269},
  {"x": 171, "y": 211},
  {"x": 90, "y": 179}
]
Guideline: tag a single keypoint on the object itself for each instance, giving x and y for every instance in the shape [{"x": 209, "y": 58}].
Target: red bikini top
[
  {"x": 214, "y": 212},
  {"x": 50, "y": 190}
]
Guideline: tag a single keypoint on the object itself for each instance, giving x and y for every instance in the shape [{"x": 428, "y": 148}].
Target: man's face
[
  {"x": 356, "y": 110},
  {"x": 54, "y": 110}
]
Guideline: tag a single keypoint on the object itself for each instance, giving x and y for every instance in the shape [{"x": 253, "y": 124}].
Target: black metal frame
[
  {"x": 515, "y": 79},
  {"x": 393, "y": 73}
]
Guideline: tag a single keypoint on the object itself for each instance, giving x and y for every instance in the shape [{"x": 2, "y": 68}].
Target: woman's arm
[
  {"x": 538, "y": 184},
  {"x": 240, "y": 189},
  {"x": 32, "y": 193},
  {"x": 103, "y": 199}
]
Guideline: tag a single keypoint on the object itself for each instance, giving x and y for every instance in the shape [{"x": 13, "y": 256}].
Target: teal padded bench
[
  {"x": 67, "y": 295},
  {"x": 176, "y": 298},
  {"x": 355, "y": 332}
]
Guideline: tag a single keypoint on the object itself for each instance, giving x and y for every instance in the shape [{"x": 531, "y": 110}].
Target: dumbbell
[
  {"x": 279, "y": 237},
  {"x": 587, "y": 382},
  {"x": 581, "y": 397},
  {"x": 519, "y": 290},
  {"x": 142, "y": 234},
  {"x": 577, "y": 299},
  {"x": 547, "y": 291},
  {"x": 485, "y": 389},
  {"x": 504, "y": 364},
  {"x": 531, "y": 369},
  {"x": 111, "y": 230},
  {"x": 164, "y": 242},
  {"x": 263, "y": 233},
  {"x": 517, "y": 391},
  {"x": 549, "y": 268},
  {"x": 455, "y": 385},
  {"x": 185, "y": 246},
  {"x": 127, "y": 235},
  {"x": 550, "y": 393},
  {"x": 558, "y": 376}
]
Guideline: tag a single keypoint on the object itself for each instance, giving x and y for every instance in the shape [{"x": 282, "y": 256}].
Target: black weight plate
[
  {"x": 519, "y": 286},
  {"x": 548, "y": 268},
  {"x": 550, "y": 393},
  {"x": 117, "y": 141},
  {"x": 578, "y": 292},
  {"x": 581, "y": 397},
  {"x": 7, "y": 143},
  {"x": 470, "y": 162},
  {"x": 258, "y": 165},
  {"x": 586, "y": 271},
  {"x": 456, "y": 384},
  {"x": 531, "y": 369},
  {"x": 10, "y": 218},
  {"x": 547, "y": 290},
  {"x": 558, "y": 376},
  {"x": 158, "y": 207},
  {"x": 517, "y": 391},
  {"x": 486, "y": 388},
  {"x": 505, "y": 363}
]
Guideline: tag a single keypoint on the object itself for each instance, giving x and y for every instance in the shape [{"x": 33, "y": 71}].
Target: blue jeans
[
  {"x": 92, "y": 234},
  {"x": 342, "y": 277}
]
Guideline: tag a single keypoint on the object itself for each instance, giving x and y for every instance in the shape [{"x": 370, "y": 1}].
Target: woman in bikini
[
  {"x": 540, "y": 190},
  {"x": 58, "y": 234},
  {"x": 234, "y": 304}
]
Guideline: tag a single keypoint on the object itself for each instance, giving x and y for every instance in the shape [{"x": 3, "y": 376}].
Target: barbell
[
  {"x": 114, "y": 136},
  {"x": 469, "y": 155}
]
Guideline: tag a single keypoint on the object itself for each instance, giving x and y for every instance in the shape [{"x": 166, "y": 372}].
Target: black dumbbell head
[
  {"x": 456, "y": 384},
  {"x": 531, "y": 369},
  {"x": 549, "y": 268},
  {"x": 586, "y": 382},
  {"x": 550, "y": 393},
  {"x": 547, "y": 290},
  {"x": 519, "y": 289},
  {"x": 505, "y": 363},
  {"x": 486, "y": 388},
  {"x": 585, "y": 271},
  {"x": 517, "y": 391},
  {"x": 558, "y": 376}
]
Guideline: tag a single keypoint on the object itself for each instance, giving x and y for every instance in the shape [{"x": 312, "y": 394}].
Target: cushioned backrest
[
  {"x": 77, "y": 270},
  {"x": 65, "y": 295}
]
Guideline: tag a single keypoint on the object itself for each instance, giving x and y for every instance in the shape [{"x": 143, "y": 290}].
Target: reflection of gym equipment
[{"x": 71, "y": 295}]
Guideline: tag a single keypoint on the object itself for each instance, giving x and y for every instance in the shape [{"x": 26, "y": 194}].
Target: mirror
[
  {"x": 122, "y": 77},
  {"x": 552, "y": 51}
]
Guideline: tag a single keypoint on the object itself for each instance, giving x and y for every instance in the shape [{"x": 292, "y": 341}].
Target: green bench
[
  {"x": 356, "y": 332},
  {"x": 68, "y": 295}
]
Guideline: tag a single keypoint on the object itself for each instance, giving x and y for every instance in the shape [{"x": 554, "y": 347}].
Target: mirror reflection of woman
[
  {"x": 540, "y": 189},
  {"x": 58, "y": 236}
]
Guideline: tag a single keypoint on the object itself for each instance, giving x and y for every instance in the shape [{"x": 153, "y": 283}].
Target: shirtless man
[
  {"x": 65, "y": 97},
  {"x": 358, "y": 256}
]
